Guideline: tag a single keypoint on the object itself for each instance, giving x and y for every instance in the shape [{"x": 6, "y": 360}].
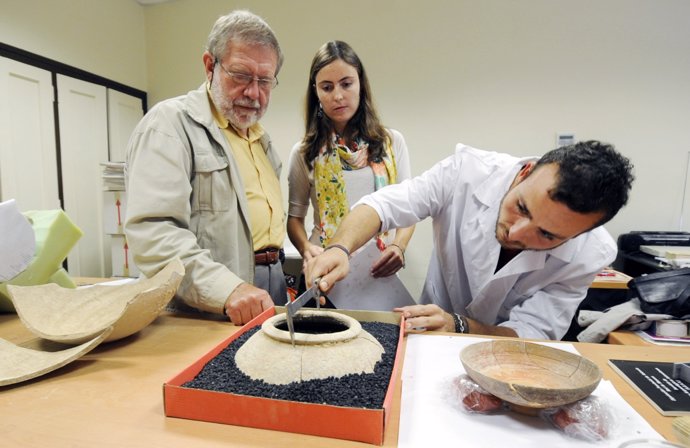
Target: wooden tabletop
[
  {"x": 625, "y": 337},
  {"x": 601, "y": 353},
  {"x": 112, "y": 397},
  {"x": 611, "y": 279}
]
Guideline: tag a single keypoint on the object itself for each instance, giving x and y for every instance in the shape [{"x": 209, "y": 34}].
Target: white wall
[
  {"x": 497, "y": 74},
  {"x": 104, "y": 37}
]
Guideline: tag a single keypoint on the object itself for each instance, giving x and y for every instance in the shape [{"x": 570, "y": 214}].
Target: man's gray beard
[{"x": 226, "y": 110}]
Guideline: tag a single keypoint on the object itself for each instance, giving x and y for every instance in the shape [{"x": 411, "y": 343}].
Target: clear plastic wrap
[
  {"x": 588, "y": 419},
  {"x": 473, "y": 398}
]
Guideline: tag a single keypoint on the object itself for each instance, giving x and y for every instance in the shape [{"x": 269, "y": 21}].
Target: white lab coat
[{"x": 537, "y": 293}]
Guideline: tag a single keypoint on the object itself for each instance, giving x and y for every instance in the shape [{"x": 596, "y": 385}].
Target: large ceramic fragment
[
  {"x": 19, "y": 364},
  {"x": 72, "y": 316},
  {"x": 327, "y": 344},
  {"x": 55, "y": 235},
  {"x": 528, "y": 374}
]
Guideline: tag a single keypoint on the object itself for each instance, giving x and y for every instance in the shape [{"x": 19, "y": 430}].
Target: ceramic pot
[{"x": 327, "y": 344}]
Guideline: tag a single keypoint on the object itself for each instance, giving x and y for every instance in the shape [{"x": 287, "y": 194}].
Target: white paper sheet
[
  {"x": 17, "y": 241},
  {"x": 430, "y": 415},
  {"x": 360, "y": 291}
]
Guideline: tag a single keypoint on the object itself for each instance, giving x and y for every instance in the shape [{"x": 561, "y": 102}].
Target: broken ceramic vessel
[{"x": 327, "y": 344}]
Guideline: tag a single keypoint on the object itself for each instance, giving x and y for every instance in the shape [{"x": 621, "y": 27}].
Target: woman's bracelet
[
  {"x": 402, "y": 251},
  {"x": 338, "y": 246}
]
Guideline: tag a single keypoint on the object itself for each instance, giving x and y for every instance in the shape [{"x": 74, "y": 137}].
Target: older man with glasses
[{"x": 203, "y": 179}]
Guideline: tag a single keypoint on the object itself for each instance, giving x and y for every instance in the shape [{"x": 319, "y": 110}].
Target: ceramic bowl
[{"x": 528, "y": 374}]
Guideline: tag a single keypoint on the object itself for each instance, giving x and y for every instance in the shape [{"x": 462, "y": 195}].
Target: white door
[
  {"x": 124, "y": 113},
  {"x": 83, "y": 123},
  {"x": 28, "y": 167}
]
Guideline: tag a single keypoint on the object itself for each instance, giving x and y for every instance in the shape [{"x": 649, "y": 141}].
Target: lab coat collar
[
  {"x": 500, "y": 283},
  {"x": 490, "y": 193},
  {"x": 525, "y": 261},
  {"x": 569, "y": 249},
  {"x": 534, "y": 260},
  {"x": 496, "y": 286},
  {"x": 496, "y": 186}
]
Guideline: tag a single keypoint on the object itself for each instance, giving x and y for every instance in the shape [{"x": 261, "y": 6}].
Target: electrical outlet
[{"x": 564, "y": 139}]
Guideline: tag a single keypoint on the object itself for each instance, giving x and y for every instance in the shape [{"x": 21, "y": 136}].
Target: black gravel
[{"x": 368, "y": 390}]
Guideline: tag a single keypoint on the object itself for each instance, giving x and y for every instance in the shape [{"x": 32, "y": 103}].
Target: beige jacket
[{"x": 186, "y": 199}]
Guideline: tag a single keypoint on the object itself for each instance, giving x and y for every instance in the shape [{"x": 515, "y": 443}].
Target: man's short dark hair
[{"x": 592, "y": 177}]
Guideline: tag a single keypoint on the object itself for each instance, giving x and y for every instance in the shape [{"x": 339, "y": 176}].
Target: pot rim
[{"x": 269, "y": 327}]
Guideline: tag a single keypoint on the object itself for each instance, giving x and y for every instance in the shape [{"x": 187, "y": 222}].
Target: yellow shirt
[{"x": 261, "y": 185}]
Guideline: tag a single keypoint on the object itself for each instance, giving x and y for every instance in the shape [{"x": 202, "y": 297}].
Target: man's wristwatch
[{"x": 460, "y": 324}]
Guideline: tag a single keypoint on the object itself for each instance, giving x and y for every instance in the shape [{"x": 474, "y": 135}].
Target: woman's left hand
[
  {"x": 392, "y": 259},
  {"x": 311, "y": 251}
]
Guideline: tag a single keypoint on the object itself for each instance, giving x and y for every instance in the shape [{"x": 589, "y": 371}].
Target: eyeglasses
[{"x": 244, "y": 79}]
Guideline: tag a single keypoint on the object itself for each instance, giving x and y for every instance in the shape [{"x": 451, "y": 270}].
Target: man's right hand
[
  {"x": 331, "y": 266},
  {"x": 246, "y": 302}
]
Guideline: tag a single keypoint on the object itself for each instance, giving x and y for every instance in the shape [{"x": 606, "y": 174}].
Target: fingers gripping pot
[{"x": 327, "y": 344}]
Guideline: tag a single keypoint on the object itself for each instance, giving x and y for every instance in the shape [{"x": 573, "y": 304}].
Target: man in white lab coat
[{"x": 517, "y": 241}]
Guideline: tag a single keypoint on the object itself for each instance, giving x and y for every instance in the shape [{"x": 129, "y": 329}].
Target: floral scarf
[{"x": 330, "y": 185}]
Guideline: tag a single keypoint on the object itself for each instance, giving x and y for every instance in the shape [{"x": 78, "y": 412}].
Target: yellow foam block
[
  {"x": 62, "y": 278},
  {"x": 56, "y": 235}
]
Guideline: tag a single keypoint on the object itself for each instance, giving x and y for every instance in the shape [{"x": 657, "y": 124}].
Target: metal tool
[
  {"x": 293, "y": 307},
  {"x": 681, "y": 371}
]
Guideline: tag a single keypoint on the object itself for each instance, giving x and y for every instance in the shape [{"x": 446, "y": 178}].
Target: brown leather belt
[{"x": 267, "y": 256}]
